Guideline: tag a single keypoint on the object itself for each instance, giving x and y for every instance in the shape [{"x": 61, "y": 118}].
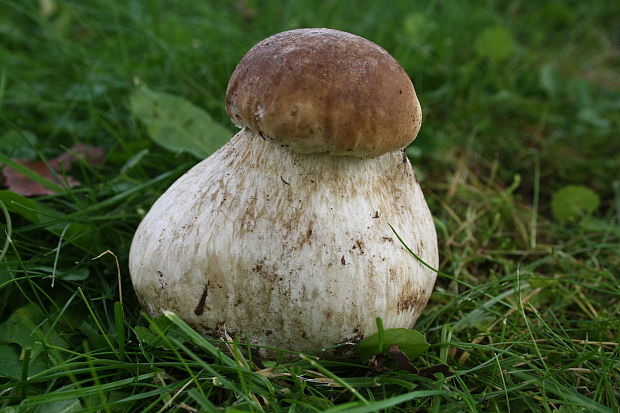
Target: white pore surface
[{"x": 288, "y": 250}]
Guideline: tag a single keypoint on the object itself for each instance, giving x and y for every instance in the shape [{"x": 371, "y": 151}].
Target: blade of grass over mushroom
[
  {"x": 177, "y": 124},
  {"x": 436, "y": 270},
  {"x": 200, "y": 340},
  {"x": 380, "y": 333}
]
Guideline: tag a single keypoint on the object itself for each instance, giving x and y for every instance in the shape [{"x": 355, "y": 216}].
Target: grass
[{"x": 521, "y": 99}]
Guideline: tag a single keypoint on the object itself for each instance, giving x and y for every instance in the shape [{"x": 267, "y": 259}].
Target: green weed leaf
[
  {"x": 495, "y": 43},
  {"x": 10, "y": 365},
  {"x": 151, "y": 336},
  {"x": 178, "y": 125},
  {"x": 75, "y": 274},
  {"x": 411, "y": 342},
  {"x": 5, "y": 274},
  {"x": 78, "y": 274},
  {"x": 96, "y": 340},
  {"x": 146, "y": 336},
  {"x": 26, "y": 327},
  {"x": 572, "y": 202}
]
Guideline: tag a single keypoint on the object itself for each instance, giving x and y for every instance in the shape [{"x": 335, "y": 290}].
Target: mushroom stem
[{"x": 297, "y": 244}]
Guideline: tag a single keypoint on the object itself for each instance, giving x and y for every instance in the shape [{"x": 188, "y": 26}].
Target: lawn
[{"x": 518, "y": 156}]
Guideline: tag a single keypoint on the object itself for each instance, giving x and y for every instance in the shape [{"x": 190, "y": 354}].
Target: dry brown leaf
[{"x": 55, "y": 172}]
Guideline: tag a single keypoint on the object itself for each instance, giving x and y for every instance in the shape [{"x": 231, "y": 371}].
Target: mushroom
[{"x": 283, "y": 235}]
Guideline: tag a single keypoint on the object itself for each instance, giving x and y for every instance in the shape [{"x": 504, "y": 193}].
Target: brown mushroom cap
[{"x": 324, "y": 91}]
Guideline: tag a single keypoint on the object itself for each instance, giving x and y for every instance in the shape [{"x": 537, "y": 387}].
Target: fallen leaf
[
  {"x": 435, "y": 368},
  {"x": 573, "y": 202},
  {"x": 53, "y": 171},
  {"x": 401, "y": 359},
  {"x": 91, "y": 154},
  {"x": 24, "y": 185},
  {"x": 378, "y": 363},
  {"x": 411, "y": 342},
  {"x": 178, "y": 125}
]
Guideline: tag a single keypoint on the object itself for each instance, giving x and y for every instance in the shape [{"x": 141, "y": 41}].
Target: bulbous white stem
[{"x": 290, "y": 250}]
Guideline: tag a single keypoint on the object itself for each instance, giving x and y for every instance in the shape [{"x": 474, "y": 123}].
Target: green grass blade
[{"x": 390, "y": 402}]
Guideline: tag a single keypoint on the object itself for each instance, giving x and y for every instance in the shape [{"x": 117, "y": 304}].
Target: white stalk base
[{"x": 288, "y": 250}]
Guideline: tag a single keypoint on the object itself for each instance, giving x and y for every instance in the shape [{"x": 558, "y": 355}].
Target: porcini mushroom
[{"x": 283, "y": 235}]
